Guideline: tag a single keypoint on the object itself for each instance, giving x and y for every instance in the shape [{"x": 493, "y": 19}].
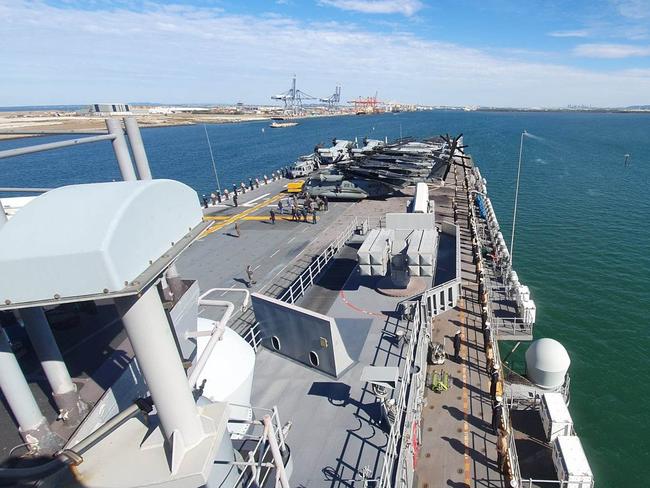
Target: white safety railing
[
  {"x": 266, "y": 457},
  {"x": 254, "y": 337},
  {"x": 511, "y": 326},
  {"x": 401, "y": 447},
  {"x": 216, "y": 333},
  {"x": 441, "y": 298},
  {"x": 532, "y": 483},
  {"x": 298, "y": 288}
]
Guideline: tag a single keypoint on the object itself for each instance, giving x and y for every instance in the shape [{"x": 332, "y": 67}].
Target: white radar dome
[{"x": 547, "y": 363}]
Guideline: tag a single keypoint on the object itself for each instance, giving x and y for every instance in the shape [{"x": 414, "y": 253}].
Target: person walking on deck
[
  {"x": 235, "y": 200},
  {"x": 249, "y": 273},
  {"x": 294, "y": 214},
  {"x": 280, "y": 207},
  {"x": 272, "y": 217},
  {"x": 325, "y": 203},
  {"x": 313, "y": 216},
  {"x": 304, "y": 214},
  {"x": 457, "y": 346},
  {"x": 237, "y": 229}
]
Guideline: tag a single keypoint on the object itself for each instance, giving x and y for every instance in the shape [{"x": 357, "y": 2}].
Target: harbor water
[{"x": 582, "y": 243}]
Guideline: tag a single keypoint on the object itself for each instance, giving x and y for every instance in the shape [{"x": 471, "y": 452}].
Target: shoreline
[{"x": 58, "y": 122}]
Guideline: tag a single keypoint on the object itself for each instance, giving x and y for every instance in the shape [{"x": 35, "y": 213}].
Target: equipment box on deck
[
  {"x": 571, "y": 463},
  {"x": 556, "y": 418}
]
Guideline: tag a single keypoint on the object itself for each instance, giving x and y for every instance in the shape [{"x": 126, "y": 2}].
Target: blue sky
[{"x": 467, "y": 52}]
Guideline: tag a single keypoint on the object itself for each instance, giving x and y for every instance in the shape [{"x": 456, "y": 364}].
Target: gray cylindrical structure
[
  {"x": 16, "y": 390},
  {"x": 64, "y": 391},
  {"x": 47, "y": 350},
  {"x": 31, "y": 421},
  {"x": 137, "y": 147},
  {"x": 121, "y": 149},
  {"x": 155, "y": 349}
]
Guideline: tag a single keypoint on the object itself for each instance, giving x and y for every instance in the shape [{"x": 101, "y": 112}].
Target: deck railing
[
  {"x": 501, "y": 326},
  {"x": 514, "y": 326},
  {"x": 266, "y": 456},
  {"x": 401, "y": 448},
  {"x": 531, "y": 483},
  {"x": 298, "y": 288}
]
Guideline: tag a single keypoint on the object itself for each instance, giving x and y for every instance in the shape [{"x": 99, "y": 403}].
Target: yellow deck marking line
[
  {"x": 241, "y": 215},
  {"x": 286, "y": 218},
  {"x": 468, "y": 478}
]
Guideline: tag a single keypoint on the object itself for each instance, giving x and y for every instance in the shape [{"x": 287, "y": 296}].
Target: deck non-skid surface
[
  {"x": 219, "y": 258},
  {"x": 458, "y": 446},
  {"x": 337, "y": 430}
]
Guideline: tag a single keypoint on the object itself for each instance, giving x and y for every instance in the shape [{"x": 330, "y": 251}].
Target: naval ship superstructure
[{"x": 147, "y": 341}]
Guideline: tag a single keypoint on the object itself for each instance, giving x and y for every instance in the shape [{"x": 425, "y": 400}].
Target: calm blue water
[{"x": 582, "y": 245}]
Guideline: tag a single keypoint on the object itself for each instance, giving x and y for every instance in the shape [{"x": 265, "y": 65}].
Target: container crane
[
  {"x": 333, "y": 99},
  {"x": 293, "y": 98},
  {"x": 366, "y": 105}
]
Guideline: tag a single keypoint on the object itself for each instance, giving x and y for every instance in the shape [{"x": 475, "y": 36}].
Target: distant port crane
[
  {"x": 333, "y": 99},
  {"x": 293, "y": 98},
  {"x": 366, "y": 105}
]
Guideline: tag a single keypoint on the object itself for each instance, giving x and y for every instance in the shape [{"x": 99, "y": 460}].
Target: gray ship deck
[{"x": 335, "y": 429}]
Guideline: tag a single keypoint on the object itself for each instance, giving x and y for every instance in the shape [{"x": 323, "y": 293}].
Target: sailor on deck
[{"x": 457, "y": 345}]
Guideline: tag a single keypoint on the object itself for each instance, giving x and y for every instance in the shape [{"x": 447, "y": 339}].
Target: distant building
[
  {"x": 109, "y": 109},
  {"x": 166, "y": 110}
]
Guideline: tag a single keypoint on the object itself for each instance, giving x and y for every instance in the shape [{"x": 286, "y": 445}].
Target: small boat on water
[{"x": 281, "y": 124}]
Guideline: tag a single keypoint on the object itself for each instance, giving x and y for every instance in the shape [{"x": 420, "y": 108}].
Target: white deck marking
[
  {"x": 256, "y": 267},
  {"x": 291, "y": 239},
  {"x": 275, "y": 253},
  {"x": 305, "y": 229},
  {"x": 250, "y": 203}
]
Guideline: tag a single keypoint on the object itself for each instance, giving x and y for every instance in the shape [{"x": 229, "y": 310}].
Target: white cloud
[
  {"x": 570, "y": 33},
  {"x": 611, "y": 51},
  {"x": 633, "y": 9},
  {"x": 56, "y": 55},
  {"x": 404, "y": 7}
]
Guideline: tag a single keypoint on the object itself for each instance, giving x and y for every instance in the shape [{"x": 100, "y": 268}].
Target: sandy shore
[{"x": 67, "y": 121}]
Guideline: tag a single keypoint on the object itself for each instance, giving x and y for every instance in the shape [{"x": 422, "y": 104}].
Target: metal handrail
[
  {"x": 297, "y": 289},
  {"x": 510, "y": 326},
  {"x": 272, "y": 439},
  {"x": 533, "y": 483},
  {"x": 400, "y": 429},
  {"x": 217, "y": 332}
]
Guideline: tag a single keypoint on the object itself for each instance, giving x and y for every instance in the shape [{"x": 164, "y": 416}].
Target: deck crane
[{"x": 293, "y": 98}]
